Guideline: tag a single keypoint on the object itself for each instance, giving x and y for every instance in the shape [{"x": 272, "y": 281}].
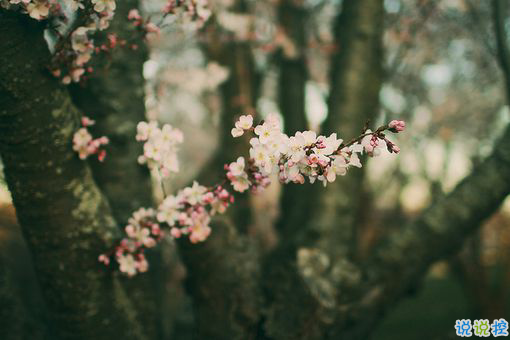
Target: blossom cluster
[
  {"x": 189, "y": 212},
  {"x": 160, "y": 147},
  {"x": 74, "y": 49},
  {"x": 186, "y": 214},
  {"x": 142, "y": 232},
  {"x": 187, "y": 10},
  {"x": 85, "y": 145},
  {"x": 304, "y": 155},
  {"x": 37, "y": 9}
]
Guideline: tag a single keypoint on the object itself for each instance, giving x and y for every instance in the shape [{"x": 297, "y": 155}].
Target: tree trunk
[
  {"x": 356, "y": 79},
  {"x": 64, "y": 217},
  {"x": 292, "y": 101}
]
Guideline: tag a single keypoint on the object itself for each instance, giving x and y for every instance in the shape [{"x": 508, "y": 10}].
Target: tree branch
[{"x": 399, "y": 264}]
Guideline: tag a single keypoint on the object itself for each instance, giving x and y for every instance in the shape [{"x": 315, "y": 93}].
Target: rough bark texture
[
  {"x": 114, "y": 97},
  {"x": 63, "y": 215}
]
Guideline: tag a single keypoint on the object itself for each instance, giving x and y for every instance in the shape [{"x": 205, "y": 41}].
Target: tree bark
[
  {"x": 64, "y": 218},
  {"x": 223, "y": 272}
]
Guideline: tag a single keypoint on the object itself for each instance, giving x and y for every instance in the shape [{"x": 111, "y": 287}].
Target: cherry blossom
[
  {"x": 160, "y": 147},
  {"x": 38, "y": 9},
  {"x": 85, "y": 145},
  {"x": 101, "y": 6},
  {"x": 397, "y": 126},
  {"x": 189, "y": 212}
]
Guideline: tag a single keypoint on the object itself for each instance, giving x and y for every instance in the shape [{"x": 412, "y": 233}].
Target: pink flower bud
[
  {"x": 397, "y": 126},
  {"x": 104, "y": 259}
]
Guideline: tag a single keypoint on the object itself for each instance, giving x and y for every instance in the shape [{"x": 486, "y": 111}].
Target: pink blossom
[
  {"x": 397, "y": 126},
  {"x": 189, "y": 211}
]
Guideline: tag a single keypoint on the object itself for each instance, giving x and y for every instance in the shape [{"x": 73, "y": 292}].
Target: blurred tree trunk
[
  {"x": 223, "y": 273},
  {"x": 223, "y": 281},
  {"x": 63, "y": 215},
  {"x": 239, "y": 94},
  {"x": 330, "y": 215},
  {"x": 356, "y": 79},
  {"x": 292, "y": 101}
]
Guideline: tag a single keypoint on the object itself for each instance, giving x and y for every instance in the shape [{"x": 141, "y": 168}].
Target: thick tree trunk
[
  {"x": 64, "y": 217},
  {"x": 239, "y": 96}
]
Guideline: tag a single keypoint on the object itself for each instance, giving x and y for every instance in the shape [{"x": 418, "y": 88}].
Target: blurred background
[{"x": 441, "y": 75}]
